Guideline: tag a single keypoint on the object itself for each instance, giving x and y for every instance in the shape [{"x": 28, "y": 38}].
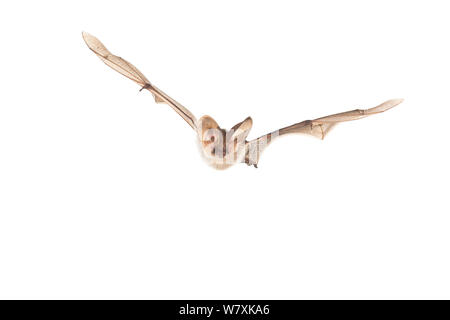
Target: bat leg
[{"x": 250, "y": 163}]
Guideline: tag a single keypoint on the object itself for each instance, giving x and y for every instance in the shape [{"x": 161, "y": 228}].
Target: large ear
[
  {"x": 206, "y": 125},
  {"x": 241, "y": 130}
]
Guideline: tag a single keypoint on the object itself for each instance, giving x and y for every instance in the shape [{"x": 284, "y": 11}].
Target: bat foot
[{"x": 251, "y": 164}]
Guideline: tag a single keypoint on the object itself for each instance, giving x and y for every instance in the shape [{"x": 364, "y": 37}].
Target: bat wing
[
  {"x": 318, "y": 128},
  {"x": 131, "y": 72}
]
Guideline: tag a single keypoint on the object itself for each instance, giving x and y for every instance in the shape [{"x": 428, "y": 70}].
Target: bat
[{"x": 220, "y": 147}]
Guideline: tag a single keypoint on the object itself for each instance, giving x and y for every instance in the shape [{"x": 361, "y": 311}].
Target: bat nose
[{"x": 224, "y": 150}]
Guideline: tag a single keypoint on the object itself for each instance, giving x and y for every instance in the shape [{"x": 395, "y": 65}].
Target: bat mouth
[{"x": 219, "y": 154}]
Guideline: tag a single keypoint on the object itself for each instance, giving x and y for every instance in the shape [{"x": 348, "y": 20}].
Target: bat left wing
[
  {"x": 318, "y": 128},
  {"x": 131, "y": 72}
]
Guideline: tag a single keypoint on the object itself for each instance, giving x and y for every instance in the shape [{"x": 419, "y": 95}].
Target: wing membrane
[
  {"x": 131, "y": 72},
  {"x": 319, "y": 128}
]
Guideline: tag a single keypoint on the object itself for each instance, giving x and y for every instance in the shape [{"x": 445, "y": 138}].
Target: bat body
[{"x": 223, "y": 148}]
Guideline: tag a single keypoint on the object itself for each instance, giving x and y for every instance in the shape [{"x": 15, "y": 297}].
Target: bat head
[{"x": 223, "y": 148}]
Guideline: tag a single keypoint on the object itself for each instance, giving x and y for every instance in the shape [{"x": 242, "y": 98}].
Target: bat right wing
[
  {"x": 131, "y": 72},
  {"x": 318, "y": 128}
]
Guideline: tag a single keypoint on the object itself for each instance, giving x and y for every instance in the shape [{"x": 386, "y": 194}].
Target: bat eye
[{"x": 212, "y": 138}]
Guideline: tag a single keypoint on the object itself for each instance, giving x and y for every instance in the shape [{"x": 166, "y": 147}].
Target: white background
[{"x": 104, "y": 194}]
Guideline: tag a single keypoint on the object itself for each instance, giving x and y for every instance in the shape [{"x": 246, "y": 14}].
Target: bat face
[{"x": 222, "y": 148}]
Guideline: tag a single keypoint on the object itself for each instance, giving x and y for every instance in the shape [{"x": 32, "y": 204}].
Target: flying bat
[{"x": 220, "y": 147}]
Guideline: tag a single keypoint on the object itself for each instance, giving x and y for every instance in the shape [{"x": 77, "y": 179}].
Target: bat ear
[
  {"x": 206, "y": 123},
  {"x": 241, "y": 130}
]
